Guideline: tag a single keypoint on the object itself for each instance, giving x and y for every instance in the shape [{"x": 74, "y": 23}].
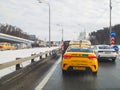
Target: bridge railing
[{"x": 18, "y": 61}]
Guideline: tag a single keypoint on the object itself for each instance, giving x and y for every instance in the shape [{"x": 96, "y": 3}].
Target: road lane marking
[{"x": 47, "y": 77}]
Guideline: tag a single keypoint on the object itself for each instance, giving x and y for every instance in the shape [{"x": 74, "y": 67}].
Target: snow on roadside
[{"x": 10, "y": 55}]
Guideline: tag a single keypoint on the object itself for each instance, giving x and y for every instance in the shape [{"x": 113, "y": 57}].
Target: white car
[
  {"x": 118, "y": 52},
  {"x": 105, "y": 52}
]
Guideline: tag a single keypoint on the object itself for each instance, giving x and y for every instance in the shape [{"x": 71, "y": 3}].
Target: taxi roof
[{"x": 80, "y": 43}]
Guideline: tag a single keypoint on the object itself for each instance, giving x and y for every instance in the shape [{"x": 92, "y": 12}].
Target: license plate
[
  {"x": 84, "y": 55},
  {"x": 79, "y": 68}
]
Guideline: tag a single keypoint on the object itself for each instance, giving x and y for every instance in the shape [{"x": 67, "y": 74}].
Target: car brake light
[
  {"x": 67, "y": 56},
  {"x": 92, "y": 57},
  {"x": 62, "y": 46}
]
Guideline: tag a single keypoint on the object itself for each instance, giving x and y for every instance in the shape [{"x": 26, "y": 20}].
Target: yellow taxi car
[
  {"x": 6, "y": 46},
  {"x": 85, "y": 43},
  {"x": 79, "y": 58}
]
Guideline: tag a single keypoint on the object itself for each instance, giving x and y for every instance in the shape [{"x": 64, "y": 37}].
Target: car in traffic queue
[
  {"x": 118, "y": 52},
  {"x": 66, "y": 44},
  {"x": 78, "y": 58},
  {"x": 105, "y": 52},
  {"x": 85, "y": 43},
  {"x": 6, "y": 46}
]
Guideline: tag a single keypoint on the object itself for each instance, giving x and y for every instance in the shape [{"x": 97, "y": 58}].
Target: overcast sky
[{"x": 74, "y": 16}]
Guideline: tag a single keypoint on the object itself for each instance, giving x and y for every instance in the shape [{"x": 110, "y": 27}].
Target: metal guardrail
[{"x": 17, "y": 62}]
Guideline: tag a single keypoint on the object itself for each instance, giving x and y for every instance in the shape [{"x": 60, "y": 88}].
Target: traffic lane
[{"x": 108, "y": 77}]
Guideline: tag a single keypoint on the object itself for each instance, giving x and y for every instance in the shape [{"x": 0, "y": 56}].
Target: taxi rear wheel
[
  {"x": 64, "y": 71},
  {"x": 113, "y": 60},
  {"x": 95, "y": 73}
]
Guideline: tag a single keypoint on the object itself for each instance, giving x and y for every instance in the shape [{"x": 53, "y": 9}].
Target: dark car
[{"x": 64, "y": 46}]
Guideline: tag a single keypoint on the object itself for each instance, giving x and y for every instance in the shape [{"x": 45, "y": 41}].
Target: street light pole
[
  {"x": 49, "y": 21},
  {"x": 62, "y": 34},
  {"x": 62, "y": 31},
  {"x": 49, "y": 25},
  {"x": 110, "y": 22}
]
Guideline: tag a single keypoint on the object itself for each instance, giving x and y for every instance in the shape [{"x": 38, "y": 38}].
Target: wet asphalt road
[{"x": 108, "y": 78}]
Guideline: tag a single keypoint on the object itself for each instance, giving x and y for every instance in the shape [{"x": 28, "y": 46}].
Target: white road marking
[{"x": 47, "y": 77}]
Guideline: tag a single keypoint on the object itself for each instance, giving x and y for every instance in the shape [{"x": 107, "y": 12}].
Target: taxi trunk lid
[{"x": 79, "y": 58}]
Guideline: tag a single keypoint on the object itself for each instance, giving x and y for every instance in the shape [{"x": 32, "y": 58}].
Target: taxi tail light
[
  {"x": 92, "y": 57},
  {"x": 67, "y": 56}
]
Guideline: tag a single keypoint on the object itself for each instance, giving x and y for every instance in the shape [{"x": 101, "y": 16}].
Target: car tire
[
  {"x": 64, "y": 71},
  {"x": 99, "y": 59},
  {"x": 113, "y": 60},
  {"x": 94, "y": 73}
]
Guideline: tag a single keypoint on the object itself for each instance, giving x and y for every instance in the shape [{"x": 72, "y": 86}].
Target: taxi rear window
[
  {"x": 79, "y": 49},
  {"x": 105, "y": 47}
]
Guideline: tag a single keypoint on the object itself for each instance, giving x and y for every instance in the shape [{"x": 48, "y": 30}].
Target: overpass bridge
[{"x": 13, "y": 39}]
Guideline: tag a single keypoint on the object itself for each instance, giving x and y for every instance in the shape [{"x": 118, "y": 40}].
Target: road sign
[
  {"x": 112, "y": 40},
  {"x": 116, "y": 48},
  {"x": 113, "y": 34}
]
